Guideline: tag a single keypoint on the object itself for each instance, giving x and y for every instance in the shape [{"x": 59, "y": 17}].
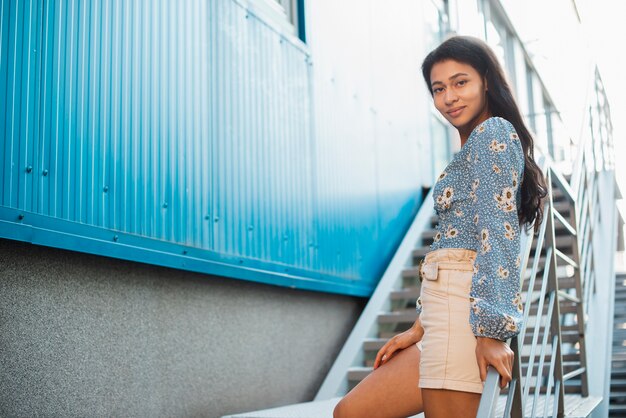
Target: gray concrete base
[{"x": 83, "y": 335}]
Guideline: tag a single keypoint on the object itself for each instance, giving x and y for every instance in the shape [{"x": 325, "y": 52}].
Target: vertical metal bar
[
  {"x": 509, "y": 400},
  {"x": 580, "y": 311},
  {"x": 533, "y": 275},
  {"x": 554, "y": 287},
  {"x": 551, "y": 376},
  {"x": 531, "y": 356},
  {"x": 542, "y": 354},
  {"x": 516, "y": 404},
  {"x": 489, "y": 397},
  {"x": 555, "y": 409}
]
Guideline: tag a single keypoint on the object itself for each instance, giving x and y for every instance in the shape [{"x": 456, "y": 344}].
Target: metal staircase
[
  {"x": 553, "y": 346},
  {"x": 617, "y": 406},
  {"x": 557, "y": 282},
  {"x": 561, "y": 266},
  {"x": 557, "y": 278},
  {"x": 402, "y": 313}
]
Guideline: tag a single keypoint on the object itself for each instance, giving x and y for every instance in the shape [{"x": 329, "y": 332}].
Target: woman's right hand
[{"x": 399, "y": 342}]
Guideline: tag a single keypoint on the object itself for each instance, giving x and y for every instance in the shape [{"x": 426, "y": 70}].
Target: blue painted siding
[{"x": 195, "y": 135}]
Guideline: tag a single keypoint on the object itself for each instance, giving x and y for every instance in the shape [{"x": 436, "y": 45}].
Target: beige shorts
[{"x": 448, "y": 357}]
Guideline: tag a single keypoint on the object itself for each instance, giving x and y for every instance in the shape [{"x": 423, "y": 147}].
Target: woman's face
[{"x": 459, "y": 93}]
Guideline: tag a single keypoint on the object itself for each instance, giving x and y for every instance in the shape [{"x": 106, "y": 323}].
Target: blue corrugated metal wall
[{"x": 183, "y": 134}]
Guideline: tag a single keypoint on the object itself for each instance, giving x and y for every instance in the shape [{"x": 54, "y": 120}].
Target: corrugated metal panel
[{"x": 198, "y": 124}]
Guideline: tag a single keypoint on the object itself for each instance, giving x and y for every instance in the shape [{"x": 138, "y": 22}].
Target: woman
[{"x": 470, "y": 302}]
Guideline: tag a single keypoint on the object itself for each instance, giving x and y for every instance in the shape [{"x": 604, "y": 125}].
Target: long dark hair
[{"x": 474, "y": 52}]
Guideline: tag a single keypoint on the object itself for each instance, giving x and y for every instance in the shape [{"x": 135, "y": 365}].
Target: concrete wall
[{"x": 83, "y": 335}]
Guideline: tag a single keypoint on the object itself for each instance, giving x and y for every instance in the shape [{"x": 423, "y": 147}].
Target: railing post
[
  {"x": 580, "y": 307},
  {"x": 553, "y": 287},
  {"x": 517, "y": 406}
]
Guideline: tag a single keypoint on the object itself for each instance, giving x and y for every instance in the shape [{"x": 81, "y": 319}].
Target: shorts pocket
[{"x": 435, "y": 287}]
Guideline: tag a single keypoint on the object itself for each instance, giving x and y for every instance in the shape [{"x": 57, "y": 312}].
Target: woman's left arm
[{"x": 496, "y": 160}]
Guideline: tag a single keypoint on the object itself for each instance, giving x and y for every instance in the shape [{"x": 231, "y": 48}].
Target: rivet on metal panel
[
  {"x": 105, "y": 189},
  {"x": 20, "y": 216},
  {"x": 29, "y": 169},
  {"x": 240, "y": 261},
  {"x": 207, "y": 217},
  {"x": 216, "y": 218},
  {"x": 165, "y": 205},
  {"x": 285, "y": 237},
  {"x": 115, "y": 238},
  {"x": 250, "y": 228},
  {"x": 45, "y": 173},
  {"x": 184, "y": 252}
]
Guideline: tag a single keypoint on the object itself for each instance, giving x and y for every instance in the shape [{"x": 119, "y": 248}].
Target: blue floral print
[{"x": 477, "y": 198}]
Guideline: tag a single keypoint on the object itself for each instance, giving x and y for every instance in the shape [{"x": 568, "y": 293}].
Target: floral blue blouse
[{"x": 477, "y": 197}]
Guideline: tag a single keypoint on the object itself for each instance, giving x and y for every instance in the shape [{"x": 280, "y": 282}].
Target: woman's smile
[
  {"x": 455, "y": 112},
  {"x": 460, "y": 95}
]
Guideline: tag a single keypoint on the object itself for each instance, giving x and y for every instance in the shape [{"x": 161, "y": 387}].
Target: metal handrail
[
  {"x": 582, "y": 195},
  {"x": 549, "y": 323}
]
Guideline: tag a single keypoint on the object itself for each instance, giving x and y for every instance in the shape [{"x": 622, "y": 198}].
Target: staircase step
[
  {"x": 404, "y": 316},
  {"x": 618, "y": 374},
  {"x": 618, "y": 356},
  {"x": 567, "y": 337},
  {"x": 421, "y": 251},
  {"x": 566, "y": 358},
  {"x": 617, "y": 410},
  {"x": 618, "y": 383},
  {"x": 564, "y": 283},
  {"x": 374, "y": 344},
  {"x": 562, "y": 207},
  {"x": 561, "y": 241},
  {"x": 565, "y": 307},
  {"x": 618, "y": 395},
  {"x": 356, "y": 374},
  {"x": 568, "y": 366},
  {"x": 410, "y": 273},
  {"x": 575, "y": 405},
  {"x": 410, "y": 293}
]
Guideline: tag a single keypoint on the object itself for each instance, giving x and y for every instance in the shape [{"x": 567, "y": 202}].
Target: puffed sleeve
[{"x": 495, "y": 169}]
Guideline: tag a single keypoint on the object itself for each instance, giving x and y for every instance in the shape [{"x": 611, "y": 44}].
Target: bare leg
[
  {"x": 450, "y": 403},
  {"x": 389, "y": 391}
]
